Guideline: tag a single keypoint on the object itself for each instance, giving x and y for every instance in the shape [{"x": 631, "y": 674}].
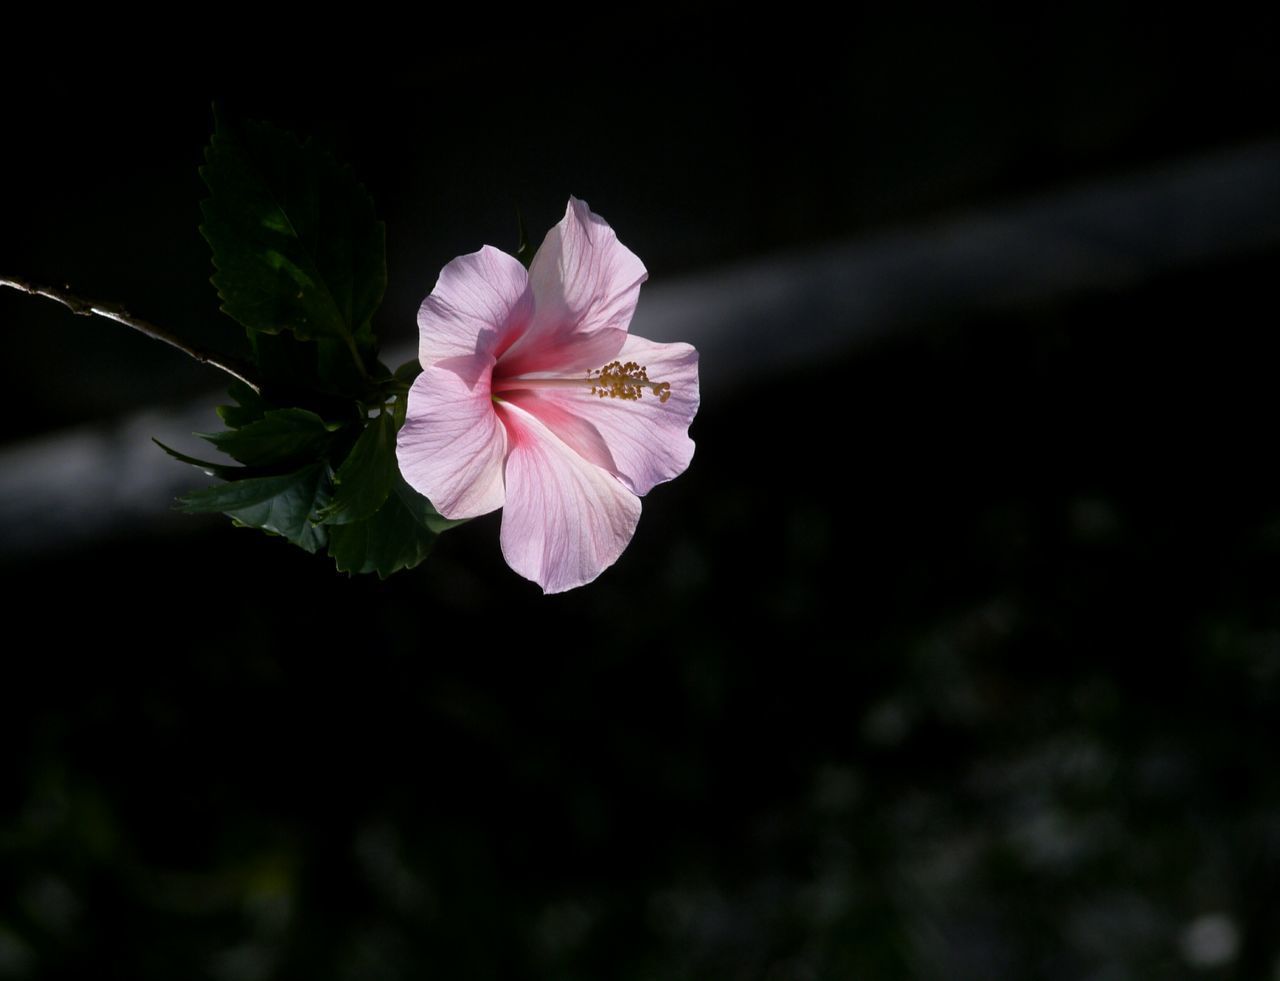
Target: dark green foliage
[
  {"x": 281, "y": 435},
  {"x": 406, "y": 374},
  {"x": 364, "y": 480},
  {"x": 392, "y": 539},
  {"x": 378, "y": 522},
  {"x": 367, "y": 516},
  {"x": 300, "y": 263},
  {"x": 222, "y": 470},
  {"x": 280, "y": 505},
  {"x": 250, "y": 408},
  {"x": 422, "y": 510},
  {"x": 295, "y": 242}
]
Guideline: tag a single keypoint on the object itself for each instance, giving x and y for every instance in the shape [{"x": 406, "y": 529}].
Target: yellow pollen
[{"x": 625, "y": 381}]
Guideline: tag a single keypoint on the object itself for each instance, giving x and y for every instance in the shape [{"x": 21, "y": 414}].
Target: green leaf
[
  {"x": 295, "y": 242},
  {"x": 406, "y": 373},
  {"x": 390, "y": 540},
  {"x": 421, "y": 509},
  {"x": 366, "y": 476},
  {"x": 280, "y": 505},
  {"x": 222, "y": 470},
  {"x": 251, "y": 407},
  {"x": 401, "y": 382},
  {"x": 280, "y": 436}
]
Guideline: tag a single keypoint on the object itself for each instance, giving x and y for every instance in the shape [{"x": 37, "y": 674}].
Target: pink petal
[
  {"x": 559, "y": 413},
  {"x": 584, "y": 281},
  {"x": 481, "y": 303},
  {"x": 644, "y": 442},
  {"x": 451, "y": 445},
  {"x": 565, "y": 520}
]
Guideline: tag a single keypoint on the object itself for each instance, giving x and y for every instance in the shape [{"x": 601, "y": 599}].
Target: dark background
[{"x": 955, "y": 654}]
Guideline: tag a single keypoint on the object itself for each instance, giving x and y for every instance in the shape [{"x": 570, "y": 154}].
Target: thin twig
[{"x": 113, "y": 311}]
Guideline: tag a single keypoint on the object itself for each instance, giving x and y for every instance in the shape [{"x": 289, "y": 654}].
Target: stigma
[{"x": 625, "y": 381}]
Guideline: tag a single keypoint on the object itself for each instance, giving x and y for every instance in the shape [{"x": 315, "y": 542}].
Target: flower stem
[{"x": 113, "y": 311}]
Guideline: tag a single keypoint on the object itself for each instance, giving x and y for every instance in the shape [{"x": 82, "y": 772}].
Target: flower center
[{"x": 615, "y": 381}]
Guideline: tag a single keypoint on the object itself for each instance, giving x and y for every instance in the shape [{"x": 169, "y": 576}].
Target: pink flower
[{"x": 533, "y": 398}]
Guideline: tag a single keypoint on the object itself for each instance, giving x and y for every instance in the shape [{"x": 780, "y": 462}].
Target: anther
[{"x": 626, "y": 381}]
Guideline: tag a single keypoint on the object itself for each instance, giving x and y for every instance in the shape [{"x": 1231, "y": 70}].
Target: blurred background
[{"x": 955, "y": 654}]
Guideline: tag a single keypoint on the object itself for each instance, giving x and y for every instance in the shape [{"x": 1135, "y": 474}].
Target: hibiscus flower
[{"x": 535, "y": 399}]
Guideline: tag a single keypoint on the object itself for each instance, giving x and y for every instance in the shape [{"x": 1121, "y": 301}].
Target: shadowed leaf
[
  {"x": 392, "y": 539},
  {"x": 280, "y": 436},
  {"x": 421, "y": 508},
  {"x": 251, "y": 406},
  {"x": 296, "y": 246},
  {"x": 281, "y": 505},
  {"x": 365, "y": 478},
  {"x": 222, "y": 470}
]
